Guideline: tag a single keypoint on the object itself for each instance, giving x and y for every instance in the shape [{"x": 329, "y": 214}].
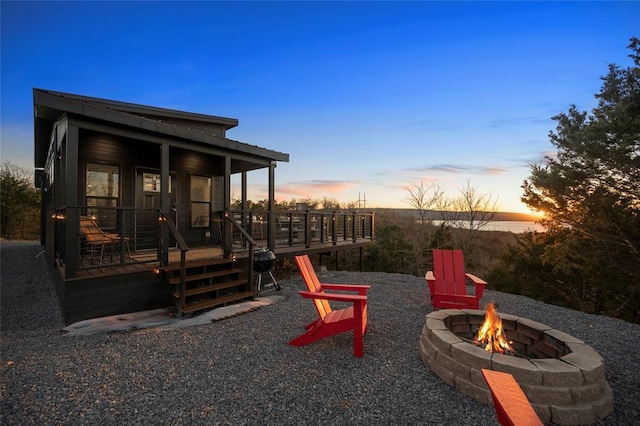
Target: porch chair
[
  {"x": 448, "y": 282},
  {"x": 97, "y": 239},
  {"x": 331, "y": 321}
]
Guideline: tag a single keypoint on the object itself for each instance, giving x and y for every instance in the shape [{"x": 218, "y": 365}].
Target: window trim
[{"x": 208, "y": 202}]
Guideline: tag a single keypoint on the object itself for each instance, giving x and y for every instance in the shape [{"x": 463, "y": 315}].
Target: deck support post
[{"x": 164, "y": 200}]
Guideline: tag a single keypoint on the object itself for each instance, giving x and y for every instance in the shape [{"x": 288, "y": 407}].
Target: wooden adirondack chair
[
  {"x": 511, "y": 404},
  {"x": 331, "y": 321},
  {"x": 447, "y": 282}
]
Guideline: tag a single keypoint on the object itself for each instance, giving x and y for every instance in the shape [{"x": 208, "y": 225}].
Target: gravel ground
[{"x": 240, "y": 371}]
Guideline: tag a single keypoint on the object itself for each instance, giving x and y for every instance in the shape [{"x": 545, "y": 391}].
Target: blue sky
[{"x": 368, "y": 98}]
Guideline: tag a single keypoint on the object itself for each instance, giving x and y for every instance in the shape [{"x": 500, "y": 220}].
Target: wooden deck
[{"x": 146, "y": 261}]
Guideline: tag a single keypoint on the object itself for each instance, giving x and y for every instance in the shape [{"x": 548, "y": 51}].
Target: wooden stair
[{"x": 208, "y": 283}]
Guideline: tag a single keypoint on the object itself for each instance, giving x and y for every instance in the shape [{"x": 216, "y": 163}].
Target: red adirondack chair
[
  {"x": 448, "y": 282},
  {"x": 511, "y": 404},
  {"x": 331, "y": 321}
]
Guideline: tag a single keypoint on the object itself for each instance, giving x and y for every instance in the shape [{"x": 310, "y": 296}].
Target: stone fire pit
[{"x": 563, "y": 378}]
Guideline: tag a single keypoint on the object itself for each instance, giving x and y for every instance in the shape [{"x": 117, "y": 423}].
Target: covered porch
[{"x": 128, "y": 188}]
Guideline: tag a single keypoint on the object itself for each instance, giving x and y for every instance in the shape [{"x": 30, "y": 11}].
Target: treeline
[{"x": 19, "y": 204}]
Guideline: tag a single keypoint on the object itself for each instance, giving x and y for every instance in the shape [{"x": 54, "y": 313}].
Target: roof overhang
[{"x": 50, "y": 106}]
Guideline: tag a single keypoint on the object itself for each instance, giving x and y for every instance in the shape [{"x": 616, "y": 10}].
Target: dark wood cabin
[{"x": 136, "y": 208}]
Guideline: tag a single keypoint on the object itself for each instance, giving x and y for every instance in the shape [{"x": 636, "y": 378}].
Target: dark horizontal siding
[{"x": 104, "y": 296}]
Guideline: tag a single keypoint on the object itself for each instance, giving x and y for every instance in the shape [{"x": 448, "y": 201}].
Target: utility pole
[{"x": 363, "y": 200}]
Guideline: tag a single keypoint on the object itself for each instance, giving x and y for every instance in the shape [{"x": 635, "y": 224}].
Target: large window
[
  {"x": 200, "y": 201},
  {"x": 103, "y": 192}
]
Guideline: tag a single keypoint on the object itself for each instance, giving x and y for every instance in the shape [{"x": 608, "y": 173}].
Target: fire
[{"x": 491, "y": 334}]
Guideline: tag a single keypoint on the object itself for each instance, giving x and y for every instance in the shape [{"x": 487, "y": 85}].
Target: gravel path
[{"x": 240, "y": 371}]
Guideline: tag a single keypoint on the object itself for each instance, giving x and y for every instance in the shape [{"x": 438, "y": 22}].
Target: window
[
  {"x": 103, "y": 192},
  {"x": 200, "y": 201}
]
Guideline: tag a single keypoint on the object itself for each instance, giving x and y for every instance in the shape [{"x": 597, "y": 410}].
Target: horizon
[{"x": 367, "y": 98}]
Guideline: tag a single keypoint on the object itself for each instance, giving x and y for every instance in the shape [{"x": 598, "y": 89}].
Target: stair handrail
[
  {"x": 250, "y": 240},
  {"x": 165, "y": 219}
]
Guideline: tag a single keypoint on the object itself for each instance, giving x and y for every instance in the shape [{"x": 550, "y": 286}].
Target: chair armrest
[
  {"x": 361, "y": 289},
  {"x": 476, "y": 280},
  {"x": 479, "y": 283},
  {"x": 332, "y": 296}
]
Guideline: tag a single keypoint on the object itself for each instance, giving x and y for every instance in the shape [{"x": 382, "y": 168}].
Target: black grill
[{"x": 263, "y": 260}]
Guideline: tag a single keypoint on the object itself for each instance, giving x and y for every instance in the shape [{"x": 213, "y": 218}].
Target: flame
[{"x": 491, "y": 334}]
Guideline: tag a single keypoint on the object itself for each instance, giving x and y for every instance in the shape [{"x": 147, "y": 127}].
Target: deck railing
[
  {"x": 113, "y": 237},
  {"x": 88, "y": 237},
  {"x": 306, "y": 228}
]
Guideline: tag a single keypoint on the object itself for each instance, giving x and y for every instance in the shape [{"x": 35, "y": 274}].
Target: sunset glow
[{"x": 366, "y": 97}]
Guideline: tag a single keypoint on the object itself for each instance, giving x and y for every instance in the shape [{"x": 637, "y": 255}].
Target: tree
[
  {"x": 19, "y": 203},
  {"x": 471, "y": 211},
  {"x": 424, "y": 198},
  {"x": 590, "y": 194}
]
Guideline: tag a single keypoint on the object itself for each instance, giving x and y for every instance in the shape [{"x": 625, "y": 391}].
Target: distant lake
[{"x": 517, "y": 227}]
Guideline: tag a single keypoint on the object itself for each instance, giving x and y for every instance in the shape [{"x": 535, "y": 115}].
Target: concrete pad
[{"x": 161, "y": 319}]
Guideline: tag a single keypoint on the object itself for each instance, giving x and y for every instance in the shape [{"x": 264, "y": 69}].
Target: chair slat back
[
  {"x": 91, "y": 231},
  {"x": 313, "y": 284},
  {"x": 448, "y": 268}
]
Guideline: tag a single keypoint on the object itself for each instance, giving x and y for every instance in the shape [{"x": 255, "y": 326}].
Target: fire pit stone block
[
  {"x": 592, "y": 368},
  {"x": 444, "y": 340},
  {"x": 543, "y": 411},
  {"x": 558, "y": 373},
  {"x": 474, "y": 317},
  {"x": 479, "y": 393},
  {"x": 519, "y": 338},
  {"x": 562, "y": 337},
  {"x": 471, "y": 355},
  {"x": 544, "y": 350},
  {"x": 436, "y": 324},
  {"x": 444, "y": 313},
  {"x": 459, "y": 319},
  {"x": 439, "y": 370},
  {"x": 520, "y": 368},
  {"x": 459, "y": 370},
  {"x": 573, "y": 415},
  {"x": 604, "y": 405},
  {"x": 585, "y": 350},
  {"x": 531, "y": 328},
  {"x": 509, "y": 322},
  {"x": 427, "y": 347},
  {"x": 587, "y": 393},
  {"x": 427, "y": 350},
  {"x": 546, "y": 395}
]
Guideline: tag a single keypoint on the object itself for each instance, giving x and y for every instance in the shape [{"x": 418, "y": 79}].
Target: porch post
[
  {"x": 70, "y": 197},
  {"x": 243, "y": 190},
  {"x": 226, "y": 228},
  {"x": 164, "y": 199},
  {"x": 245, "y": 220},
  {"x": 271, "y": 217}
]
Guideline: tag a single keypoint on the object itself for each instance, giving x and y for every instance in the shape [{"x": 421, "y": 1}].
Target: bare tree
[
  {"x": 423, "y": 197},
  {"x": 471, "y": 210}
]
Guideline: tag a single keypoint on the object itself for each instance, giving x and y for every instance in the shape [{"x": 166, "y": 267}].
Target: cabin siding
[
  {"x": 130, "y": 155},
  {"x": 106, "y": 296}
]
